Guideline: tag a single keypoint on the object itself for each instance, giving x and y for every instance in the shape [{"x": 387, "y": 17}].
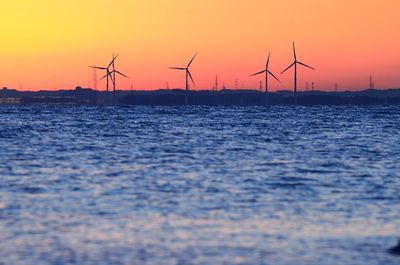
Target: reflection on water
[{"x": 199, "y": 185}]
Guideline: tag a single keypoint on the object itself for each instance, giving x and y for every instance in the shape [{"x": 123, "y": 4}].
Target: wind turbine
[
  {"x": 188, "y": 75},
  {"x": 266, "y": 71},
  {"x": 295, "y": 63},
  {"x": 111, "y": 73},
  {"x": 108, "y": 71},
  {"x": 114, "y": 72}
]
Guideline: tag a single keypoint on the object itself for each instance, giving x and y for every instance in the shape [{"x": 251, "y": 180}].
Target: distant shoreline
[{"x": 175, "y": 97}]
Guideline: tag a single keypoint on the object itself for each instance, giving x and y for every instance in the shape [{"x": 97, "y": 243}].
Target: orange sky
[{"x": 48, "y": 44}]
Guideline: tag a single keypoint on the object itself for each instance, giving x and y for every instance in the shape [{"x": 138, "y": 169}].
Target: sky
[{"x": 49, "y": 44}]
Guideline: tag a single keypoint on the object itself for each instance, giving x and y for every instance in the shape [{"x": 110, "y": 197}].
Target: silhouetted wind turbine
[
  {"x": 295, "y": 63},
  {"x": 266, "y": 71},
  {"x": 111, "y": 73},
  {"x": 114, "y": 72},
  {"x": 108, "y": 71},
  {"x": 188, "y": 75}
]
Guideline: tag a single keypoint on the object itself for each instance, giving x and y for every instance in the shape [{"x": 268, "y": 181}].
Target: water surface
[{"x": 199, "y": 185}]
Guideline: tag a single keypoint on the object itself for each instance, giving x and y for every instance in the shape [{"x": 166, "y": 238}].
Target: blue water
[{"x": 199, "y": 185}]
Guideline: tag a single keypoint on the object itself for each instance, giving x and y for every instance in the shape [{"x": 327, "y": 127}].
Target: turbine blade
[
  {"x": 294, "y": 52},
  {"x": 177, "y": 68},
  {"x": 113, "y": 60},
  {"x": 191, "y": 60},
  {"x": 104, "y": 76},
  {"x": 288, "y": 68},
  {"x": 118, "y": 72},
  {"x": 269, "y": 55},
  {"x": 109, "y": 65},
  {"x": 191, "y": 78},
  {"x": 96, "y": 67},
  {"x": 258, "y": 73},
  {"x": 274, "y": 76},
  {"x": 303, "y": 64}
]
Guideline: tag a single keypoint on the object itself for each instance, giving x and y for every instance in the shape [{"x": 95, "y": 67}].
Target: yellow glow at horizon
[{"x": 49, "y": 44}]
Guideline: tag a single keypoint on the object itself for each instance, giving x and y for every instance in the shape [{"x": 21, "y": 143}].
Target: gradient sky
[{"x": 48, "y": 44}]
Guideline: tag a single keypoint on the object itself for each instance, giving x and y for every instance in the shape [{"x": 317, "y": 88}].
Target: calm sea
[{"x": 199, "y": 185}]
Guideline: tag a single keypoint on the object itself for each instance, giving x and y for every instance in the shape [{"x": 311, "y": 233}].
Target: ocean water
[{"x": 199, "y": 185}]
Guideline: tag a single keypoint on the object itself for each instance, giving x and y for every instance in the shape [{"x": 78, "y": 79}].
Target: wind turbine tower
[
  {"x": 295, "y": 64},
  {"x": 267, "y": 73},
  {"x": 188, "y": 75},
  {"x": 114, "y": 72}
]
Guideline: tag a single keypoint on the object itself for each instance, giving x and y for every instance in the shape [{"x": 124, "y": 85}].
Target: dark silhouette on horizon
[
  {"x": 188, "y": 75},
  {"x": 295, "y": 63},
  {"x": 110, "y": 73},
  {"x": 266, "y": 71},
  {"x": 172, "y": 97},
  {"x": 114, "y": 72}
]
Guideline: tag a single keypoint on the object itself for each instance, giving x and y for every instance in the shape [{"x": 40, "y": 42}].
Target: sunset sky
[{"x": 48, "y": 44}]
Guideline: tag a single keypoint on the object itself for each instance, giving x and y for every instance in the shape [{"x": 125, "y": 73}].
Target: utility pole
[
  {"x": 371, "y": 83},
  {"x": 94, "y": 79}
]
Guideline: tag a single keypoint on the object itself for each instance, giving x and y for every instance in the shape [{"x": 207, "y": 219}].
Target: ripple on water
[{"x": 199, "y": 185}]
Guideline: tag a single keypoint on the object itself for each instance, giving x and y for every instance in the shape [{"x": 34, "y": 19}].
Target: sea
[{"x": 276, "y": 185}]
